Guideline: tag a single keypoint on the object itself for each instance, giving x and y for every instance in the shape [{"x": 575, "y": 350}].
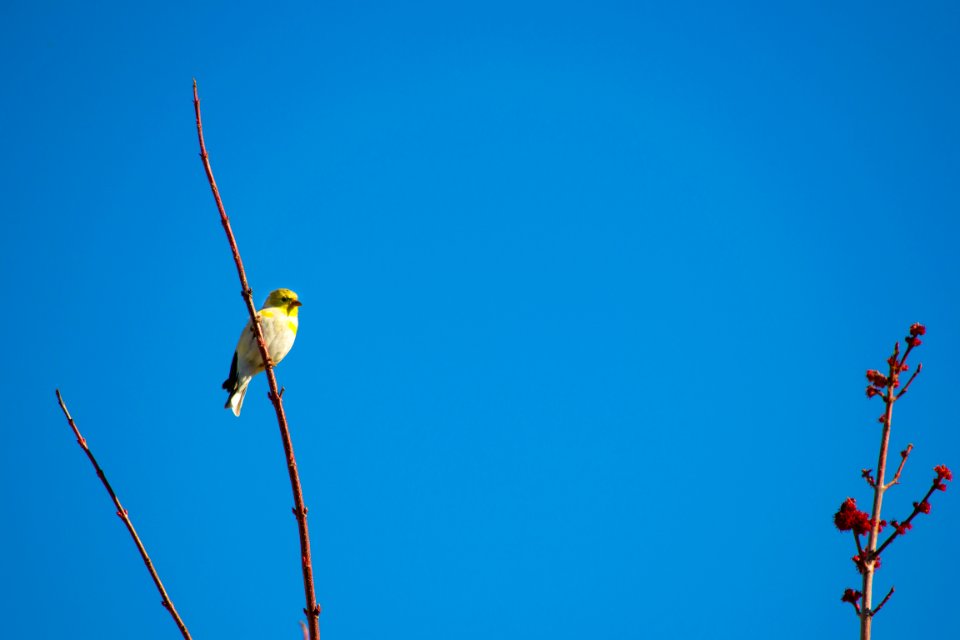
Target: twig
[
  {"x": 903, "y": 460},
  {"x": 882, "y": 602},
  {"x": 910, "y": 381},
  {"x": 166, "y": 602},
  {"x": 869, "y": 564},
  {"x": 896, "y": 351},
  {"x": 312, "y": 609},
  {"x": 909, "y": 520}
]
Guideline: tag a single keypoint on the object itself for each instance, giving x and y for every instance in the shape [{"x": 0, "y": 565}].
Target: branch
[
  {"x": 870, "y": 555},
  {"x": 312, "y": 609},
  {"x": 916, "y": 510},
  {"x": 166, "y": 602},
  {"x": 882, "y": 602},
  {"x": 910, "y": 381},
  {"x": 903, "y": 460}
]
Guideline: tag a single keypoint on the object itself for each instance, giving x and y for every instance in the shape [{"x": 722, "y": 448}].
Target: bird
[{"x": 278, "y": 318}]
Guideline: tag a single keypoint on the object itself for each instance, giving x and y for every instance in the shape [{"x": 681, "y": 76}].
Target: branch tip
[
  {"x": 882, "y": 602},
  {"x": 123, "y": 515}
]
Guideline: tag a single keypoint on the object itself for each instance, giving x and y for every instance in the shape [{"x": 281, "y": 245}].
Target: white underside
[{"x": 279, "y": 339}]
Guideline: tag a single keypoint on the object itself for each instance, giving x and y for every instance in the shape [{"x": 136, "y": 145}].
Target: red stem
[
  {"x": 869, "y": 556},
  {"x": 903, "y": 460},
  {"x": 910, "y": 381},
  {"x": 166, "y": 601},
  {"x": 882, "y": 602},
  {"x": 312, "y": 610},
  {"x": 916, "y": 510}
]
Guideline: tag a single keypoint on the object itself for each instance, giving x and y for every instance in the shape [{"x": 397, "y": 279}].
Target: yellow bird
[{"x": 279, "y": 321}]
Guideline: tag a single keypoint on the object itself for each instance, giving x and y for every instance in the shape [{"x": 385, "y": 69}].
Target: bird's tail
[
  {"x": 236, "y": 384},
  {"x": 235, "y": 401}
]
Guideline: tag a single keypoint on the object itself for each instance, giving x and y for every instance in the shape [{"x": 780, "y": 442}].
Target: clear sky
[{"x": 589, "y": 291}]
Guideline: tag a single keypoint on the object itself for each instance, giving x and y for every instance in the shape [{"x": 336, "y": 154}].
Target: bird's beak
[{"x": 296, "y": 303}]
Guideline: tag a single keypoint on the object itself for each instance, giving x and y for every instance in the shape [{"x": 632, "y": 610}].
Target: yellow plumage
[{"x": 279, "y": 320}]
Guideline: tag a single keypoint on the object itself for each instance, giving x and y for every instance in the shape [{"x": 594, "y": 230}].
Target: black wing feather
[{"x": 231, "y": 383}]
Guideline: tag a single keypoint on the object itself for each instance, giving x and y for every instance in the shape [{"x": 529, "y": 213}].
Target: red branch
[
  {"x": 166, "y": 602},
  {"x": 903, "y": 460},
  {"x": 868, "y": 558},
  {"x": 916, "y": 510},
  {"x": 910, "y": 381},
  {"x": 312, "y": 609},
  {"x": 882, "y": 602}
]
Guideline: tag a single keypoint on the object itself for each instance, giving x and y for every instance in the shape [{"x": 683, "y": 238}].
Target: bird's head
[{"x": 284, "y": 298}]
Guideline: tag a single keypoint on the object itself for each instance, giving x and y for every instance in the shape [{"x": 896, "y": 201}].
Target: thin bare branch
[
  {"x": 166, "y": 601},
  {"x": 903, "y": 460},
  {"x": 909, "y": 520},
  {"x": 910, "y": 381},
  {"x": 882, "y": 602},
  {"x": 312, "y": 609},
  {"x": 869, "y": 555}
]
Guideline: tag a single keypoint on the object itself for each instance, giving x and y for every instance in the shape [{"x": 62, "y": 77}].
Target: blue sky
[{"x": 589, "y": 290}]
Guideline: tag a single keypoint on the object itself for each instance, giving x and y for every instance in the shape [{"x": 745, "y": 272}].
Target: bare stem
[
  {"x": 903, "y": 460},
  {"x": 166, "y": 601},
  {"x": 312, "y": 610},
  {"x": 916, "y": 510},
  {"x": 869, "y": 556},
  {"x": 906, "y": 353},
  {"x": 882, "y": 602},
  {"x": 910, "y": 381}
]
